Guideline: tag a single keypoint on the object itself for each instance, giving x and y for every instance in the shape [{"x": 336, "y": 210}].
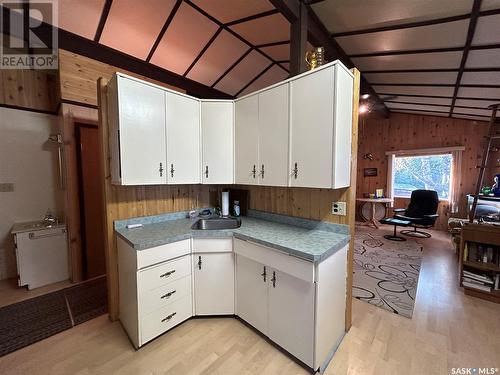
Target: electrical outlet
[{"x": 339, "y": 208}]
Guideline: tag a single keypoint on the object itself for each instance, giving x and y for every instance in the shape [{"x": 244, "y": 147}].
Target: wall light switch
[
  {"x": 6, "y": 187},
  {"x": 339, "y": 208}
]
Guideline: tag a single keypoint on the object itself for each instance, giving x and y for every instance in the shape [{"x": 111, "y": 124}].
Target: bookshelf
[{"x": 479, "y": 261}]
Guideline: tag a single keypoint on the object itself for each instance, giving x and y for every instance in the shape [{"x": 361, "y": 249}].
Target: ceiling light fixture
[{"x": 363, "y": 108}]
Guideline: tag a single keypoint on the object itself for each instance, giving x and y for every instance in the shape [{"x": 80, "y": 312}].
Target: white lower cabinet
[
  {"x": 291, "y": 314},
  {"x": 251, "y": 292},
  {"x": 300, "y": 305},
  {"x": 213, "y": 275}
]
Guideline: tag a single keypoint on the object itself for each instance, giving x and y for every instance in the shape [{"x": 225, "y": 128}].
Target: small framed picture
[{"x": 370, "y": 172}]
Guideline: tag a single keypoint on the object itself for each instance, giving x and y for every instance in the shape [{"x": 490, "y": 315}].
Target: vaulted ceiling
[
  {"x": 235, "y": 46},
  {"x": 423, "y": 56}
]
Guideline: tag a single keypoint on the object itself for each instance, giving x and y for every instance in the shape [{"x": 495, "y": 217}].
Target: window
[{"x": 430, "y": 172}]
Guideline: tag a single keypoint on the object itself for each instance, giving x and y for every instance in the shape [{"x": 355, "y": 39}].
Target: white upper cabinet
[
  {"x": 246, "y": 140},
  {"x": 137, "y": 131},
  {"x": 320, "y": 128},
  {"x": 183, "y": 139},
  {"x": 273, "y": 136},
  {"x": 217, "y": 135}
]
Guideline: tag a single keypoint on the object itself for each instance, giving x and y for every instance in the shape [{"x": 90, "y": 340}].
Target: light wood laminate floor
[{"x": 448, "y": 330}]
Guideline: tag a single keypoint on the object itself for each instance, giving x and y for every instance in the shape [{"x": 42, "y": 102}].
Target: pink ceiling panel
[
  {"x": 80, "y": 17},
  {"x": 221, "y": 54},
  {"x": 186, "y": 36},
  {"x": 231, "y": 10},
  {"x": 279, "y": 53},
  {"x": 272, "y": 76},
  {"x": 133, "y": 26},
  {"x": 263, "y": 30},
  {"x": 244, "y": 72}
]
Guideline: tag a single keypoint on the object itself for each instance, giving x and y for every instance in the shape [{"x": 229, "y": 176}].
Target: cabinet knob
[
  {"x": 161, "y": 169},
  {"x": 167, "y": 318},
  {"x": 264, "y": 274},
  {"x": 262, "y": 171},
  {"x": 206, "y": 171},
  {"x": 273, "y": 279},
  {"x": 254, "y": 171},
  {"x": 295, "y": 171},
  {"x": 199, "y": 262},
  {"x": 172, "y": 170}
]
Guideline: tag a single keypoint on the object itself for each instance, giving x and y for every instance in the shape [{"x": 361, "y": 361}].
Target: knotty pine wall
[
  {"x": 408, "y": 131},
  {"x": 29, "y": 89}
]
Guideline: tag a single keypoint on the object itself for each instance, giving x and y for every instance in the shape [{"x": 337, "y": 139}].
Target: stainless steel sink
[{"x": 214, "y": 223}]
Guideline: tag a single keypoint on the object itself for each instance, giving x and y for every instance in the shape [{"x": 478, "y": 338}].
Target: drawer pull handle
[
  {"x": 168, "y": 295},
  {"x": 167, "y": 318},
  {"x": 167, "y": 274},
  {"x": 199, "y": 262},
  {"x": 264, "y": 274},
  {"x": 273, "y": 279}
]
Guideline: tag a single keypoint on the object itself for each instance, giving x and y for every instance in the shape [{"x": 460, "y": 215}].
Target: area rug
[
  {"x": 26, "y": 322},
  {"x": 386, "y": 272}
]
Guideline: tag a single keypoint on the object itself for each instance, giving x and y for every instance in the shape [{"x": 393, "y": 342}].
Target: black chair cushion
[{"x": 422, "y": 208}]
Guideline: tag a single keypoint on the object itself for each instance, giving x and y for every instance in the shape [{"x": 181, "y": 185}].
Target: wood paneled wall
[
  {"x": 79, "y": 75},
  {"x": 29, "y": 89},
  {"x": 408, "y": 131}
]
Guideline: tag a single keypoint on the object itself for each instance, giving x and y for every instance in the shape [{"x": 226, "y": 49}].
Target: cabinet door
[
  {"x": 183, "y": 140},
  {"x": 214, "y": 283},
  {"x": 251, "y": 292},
  {"x": 311, "y": 129},
  {"x": 291, "y": 315},
  {"x": 142, "y": 133},
  {"x": 343, "y": 128},
  {"x": 273, "y": 136},
  {"x": 246, "y": 140},
  {"x": 217, "y": 142}
]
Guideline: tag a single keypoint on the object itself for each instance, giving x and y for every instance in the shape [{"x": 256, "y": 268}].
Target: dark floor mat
[
  {"x": 29, "y": 321},
  {"x": 88, "y": 300}
]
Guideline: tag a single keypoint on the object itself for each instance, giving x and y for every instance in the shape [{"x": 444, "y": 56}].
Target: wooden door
[
  {"x": 291, "y": 315},
  {"x": 91, "y": 213},
  {"x": 273, "y": 136},
  {"x": 217, "y": 142},
  {"x": 214, "y": 283},
  {"x": 311, "y": 129},
  {"x": 183, "y": 139},
  {"x": 251, "y": 292},
  {"x": 142, "y": 133},
  {"x": 246, "y": 138}
]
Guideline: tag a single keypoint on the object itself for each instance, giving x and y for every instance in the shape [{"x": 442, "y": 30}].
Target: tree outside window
[{"x": 429, "y": 172}]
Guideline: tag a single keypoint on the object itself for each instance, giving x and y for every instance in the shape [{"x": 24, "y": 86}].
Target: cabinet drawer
[
  {"x": 161, "y": 320},
  {"x": 274, "y": 258},
  {"x": 152, "y": 300},
  {"x": 162, "y": 274},
  {"x": 212, "y": 245},
  {"x": 159, "y": 254}
]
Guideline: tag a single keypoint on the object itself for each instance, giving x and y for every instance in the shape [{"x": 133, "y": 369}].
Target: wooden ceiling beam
[
  {"x": 240, "y": 59},
  {"x": 410, "y": 25},
  {"x": 253, "y": 17},
  {"x": 434, "y": 104},
  {"x": 476, "y": 9},
  {"x": 319, "y": 36},
  {"x": 255, "y": 79},
  {"x": 167, "y": 23},
  {"x": 427, "y": 50},
  {"x": 102, "y": 20},
  {"x": 203, "y": 50},
  {"x": 298, "y": 42}
]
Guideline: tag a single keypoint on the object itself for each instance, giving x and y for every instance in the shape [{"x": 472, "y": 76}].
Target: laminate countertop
[{"x": 310, "y": 240}]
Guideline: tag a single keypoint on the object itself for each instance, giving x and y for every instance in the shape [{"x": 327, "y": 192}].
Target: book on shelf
[
  {"x": 484, "y": 288},
  {"x": 481, "y": 253},
  {"x": 477, "y": 276},
  {"x": 497, "y": 282}
]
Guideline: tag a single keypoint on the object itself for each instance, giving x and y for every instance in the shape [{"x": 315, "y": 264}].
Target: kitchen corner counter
[{"x": 310, "y": 240}]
